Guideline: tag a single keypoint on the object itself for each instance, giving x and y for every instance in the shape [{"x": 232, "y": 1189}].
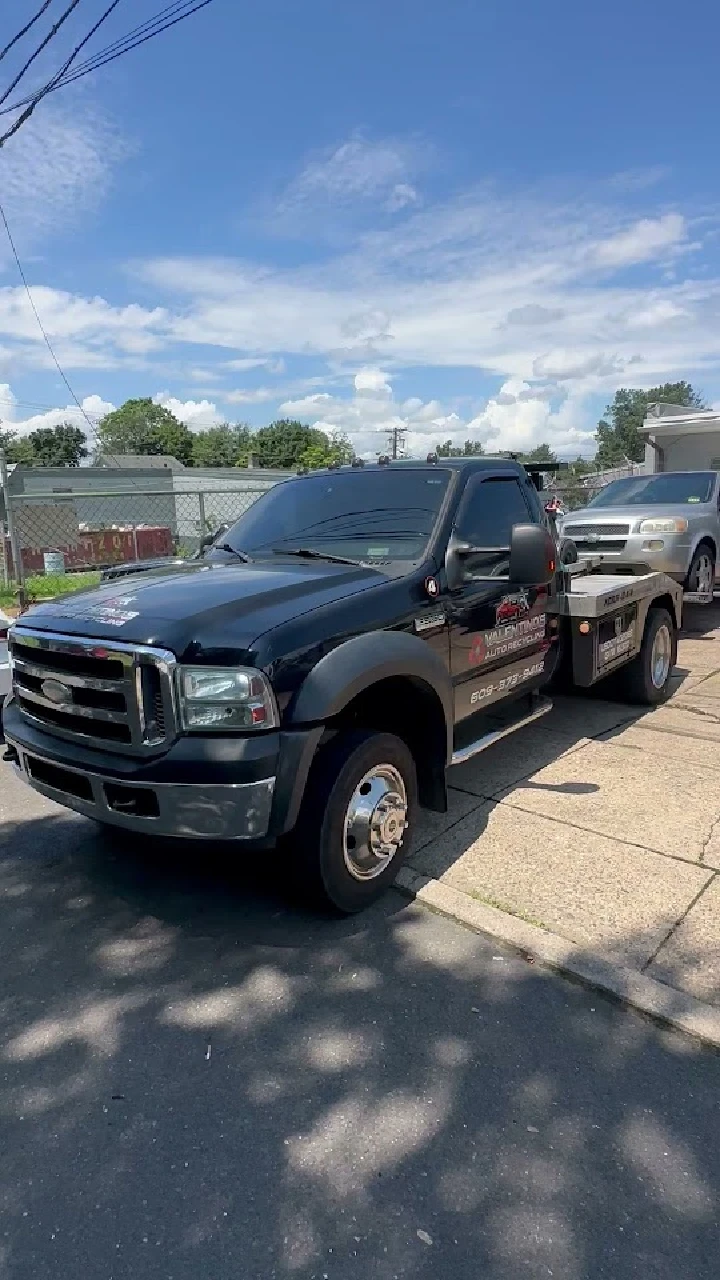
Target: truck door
[{"x": 497, "y": 631}]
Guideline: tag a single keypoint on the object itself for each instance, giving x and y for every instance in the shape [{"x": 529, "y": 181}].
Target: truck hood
[
  {"x": 191, "y": 608},
  {"x": 631, "y": 515}
]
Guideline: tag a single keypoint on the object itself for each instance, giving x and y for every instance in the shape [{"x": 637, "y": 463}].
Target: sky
[{"x": 468, "y": 218}]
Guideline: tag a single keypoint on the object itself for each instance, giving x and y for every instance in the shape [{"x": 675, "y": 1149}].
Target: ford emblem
[{"x": 56, "y": 692}]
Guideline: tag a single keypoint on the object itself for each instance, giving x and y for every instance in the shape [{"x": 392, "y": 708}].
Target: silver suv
[{"x": 669, "y": 521}]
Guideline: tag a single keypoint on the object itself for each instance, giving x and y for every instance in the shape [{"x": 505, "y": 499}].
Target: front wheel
[
  {"x": 701, "y": 574},
  {"x": 647, "y": 678},
  {"x": 357, "y": 819}
]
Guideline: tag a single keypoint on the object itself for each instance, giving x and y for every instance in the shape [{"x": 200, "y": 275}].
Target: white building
[{"x": 680, "y": 439}]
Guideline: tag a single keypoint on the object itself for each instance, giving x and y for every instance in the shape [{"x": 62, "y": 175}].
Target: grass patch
[
  {"x": 42, "y": 588},
  {"x": 510, "y": 911}
]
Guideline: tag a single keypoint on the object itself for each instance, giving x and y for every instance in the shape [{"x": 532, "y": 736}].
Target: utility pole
[{"x": 396, "y": 441}]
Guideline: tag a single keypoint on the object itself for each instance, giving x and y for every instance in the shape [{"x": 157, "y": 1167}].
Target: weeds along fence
[{"x": 53, "y": 542}]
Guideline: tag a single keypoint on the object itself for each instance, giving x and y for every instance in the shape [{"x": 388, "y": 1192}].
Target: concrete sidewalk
[{"x": 594, "y": 836}]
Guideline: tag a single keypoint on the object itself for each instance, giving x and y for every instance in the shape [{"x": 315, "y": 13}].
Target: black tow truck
[{"x": 311, "y": 678}]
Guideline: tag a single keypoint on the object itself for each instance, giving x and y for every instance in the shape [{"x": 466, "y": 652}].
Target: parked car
[{"x": 669, "y": 521}]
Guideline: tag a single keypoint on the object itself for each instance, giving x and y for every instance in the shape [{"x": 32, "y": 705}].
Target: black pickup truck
[{"x": 311, "y": 679}]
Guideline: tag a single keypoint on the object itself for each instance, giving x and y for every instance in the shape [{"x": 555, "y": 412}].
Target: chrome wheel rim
[
  {"x": 704, "y": 575},
  {"x": 375, "y": 822},
  {"x": 661, "y": 657}
]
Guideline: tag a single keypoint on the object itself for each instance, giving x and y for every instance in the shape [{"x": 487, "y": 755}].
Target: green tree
[
  {"x": 62, "y": 446},
  {"x": 470, "y": 449},
  {"x": 618, "y": 433},
  {"x": 542, "y": 453},
  {"x": 332, "y": 449},
  {"x": 571, "y": 489},
  {"x": 290, "y": 444},
  {"x": 145, "y": 428},
  {"x": 223, "y": 446},
  {"x": 283, "y": 443},
  {"x": 19, "y": 451}
]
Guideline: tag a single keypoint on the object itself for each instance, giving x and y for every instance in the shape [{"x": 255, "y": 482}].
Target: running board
[{"x": 540, "y": 707}]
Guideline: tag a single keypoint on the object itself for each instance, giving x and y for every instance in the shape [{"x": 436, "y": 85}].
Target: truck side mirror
[{"x": 533, "y": 556}]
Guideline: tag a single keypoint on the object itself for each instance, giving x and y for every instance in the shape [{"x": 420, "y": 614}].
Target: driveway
[
  {"x": 600, "y": 824},
  {"x": 199, "y": 1079}
]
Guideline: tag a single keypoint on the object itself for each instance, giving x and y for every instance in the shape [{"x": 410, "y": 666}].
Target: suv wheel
[
  {"x": 701, "y": 574},
  {"x": 357, "y": 819}
]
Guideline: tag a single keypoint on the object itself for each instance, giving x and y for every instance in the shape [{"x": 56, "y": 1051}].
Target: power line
[
  {"x": 162, "y": 21},
  {"x": 41, "y": 326},
  {"x": 43, "y": 44},
  {"x": 25, "y": 29},
  {"x": 52, "y": 83},
  {"x": 93, "y": 437}
]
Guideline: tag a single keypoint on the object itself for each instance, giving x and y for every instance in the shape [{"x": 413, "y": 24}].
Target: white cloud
[
  {"x": 658, "y": 312},
  {"x": 372, "y": 381},
  {"x": 254, "y": 362},
  {"x": 480, "y": 283},
  {"x": 517, "y": 418},
  {"x": 356, "y": 170},
  {"x": 56, "y": 168},
  {"x": 251, "y": 395},
  {"x": 575, "y": 365},
  {"x": 402, "y": 195},
  {"x": 86, "y": 332},
  {"x": 529, "y": 288},
  {"x": 197, "y": 414},
  {"x": 645, "y": 240},
  {"x": 13, "y": 415}
]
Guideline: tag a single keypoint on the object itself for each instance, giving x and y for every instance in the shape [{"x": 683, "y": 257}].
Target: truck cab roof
[{"x": 457, "y": 463}]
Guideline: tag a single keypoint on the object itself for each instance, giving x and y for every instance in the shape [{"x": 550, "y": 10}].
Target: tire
[
  {"x": 646, "y": 680},
  {"x": 332, "y": 853},
  {"x": 702, "y": 566},
  {"x": 568, "y": 551}
]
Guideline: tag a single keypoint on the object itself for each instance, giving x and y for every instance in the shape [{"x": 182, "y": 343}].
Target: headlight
[
  {"x": 223, "y": 699},
  {"x": 661, "y": 524}
]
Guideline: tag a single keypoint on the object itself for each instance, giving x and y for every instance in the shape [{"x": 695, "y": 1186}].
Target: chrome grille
[
  {"x": 596, "y": 530},
  {"x": 116, "y": 697}
]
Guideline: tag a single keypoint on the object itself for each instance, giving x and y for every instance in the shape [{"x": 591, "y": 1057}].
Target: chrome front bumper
[{"x": 227, "y": 811}]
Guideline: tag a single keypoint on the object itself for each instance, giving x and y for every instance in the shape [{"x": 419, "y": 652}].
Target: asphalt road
[{"x": 199, "y": 1079}]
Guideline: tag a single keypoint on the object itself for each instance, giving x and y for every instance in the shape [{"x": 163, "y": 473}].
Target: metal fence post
[
  {"x": 14, "y": 544},
  {"x": 201, "y": 508}
]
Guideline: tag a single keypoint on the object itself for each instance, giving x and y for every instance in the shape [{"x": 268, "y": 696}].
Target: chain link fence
[
  {"x": 576, "y": 491},
  {"x": 52, "y": 543}
]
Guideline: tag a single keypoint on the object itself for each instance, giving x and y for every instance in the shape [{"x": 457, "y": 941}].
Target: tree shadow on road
[{"x": 201, "y": 1079}]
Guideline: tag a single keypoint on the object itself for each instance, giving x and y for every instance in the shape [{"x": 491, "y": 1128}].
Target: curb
[{"x": 628, "y": 986}]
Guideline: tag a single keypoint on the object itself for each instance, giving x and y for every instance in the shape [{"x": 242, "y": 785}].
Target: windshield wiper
[
  {"x": 232, "y": 551},
  {"x": 309, "y": 553}
]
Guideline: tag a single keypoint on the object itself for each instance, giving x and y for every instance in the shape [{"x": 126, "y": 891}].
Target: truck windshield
[
  {"x": 669, "y": 488},
  {"x": 378, "y": 515}
]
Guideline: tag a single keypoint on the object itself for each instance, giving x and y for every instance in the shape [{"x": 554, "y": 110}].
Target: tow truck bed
[{"x": 606, "y": 612}]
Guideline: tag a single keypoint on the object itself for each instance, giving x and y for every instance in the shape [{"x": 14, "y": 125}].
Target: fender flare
[{"x": 365, "y": 660}]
